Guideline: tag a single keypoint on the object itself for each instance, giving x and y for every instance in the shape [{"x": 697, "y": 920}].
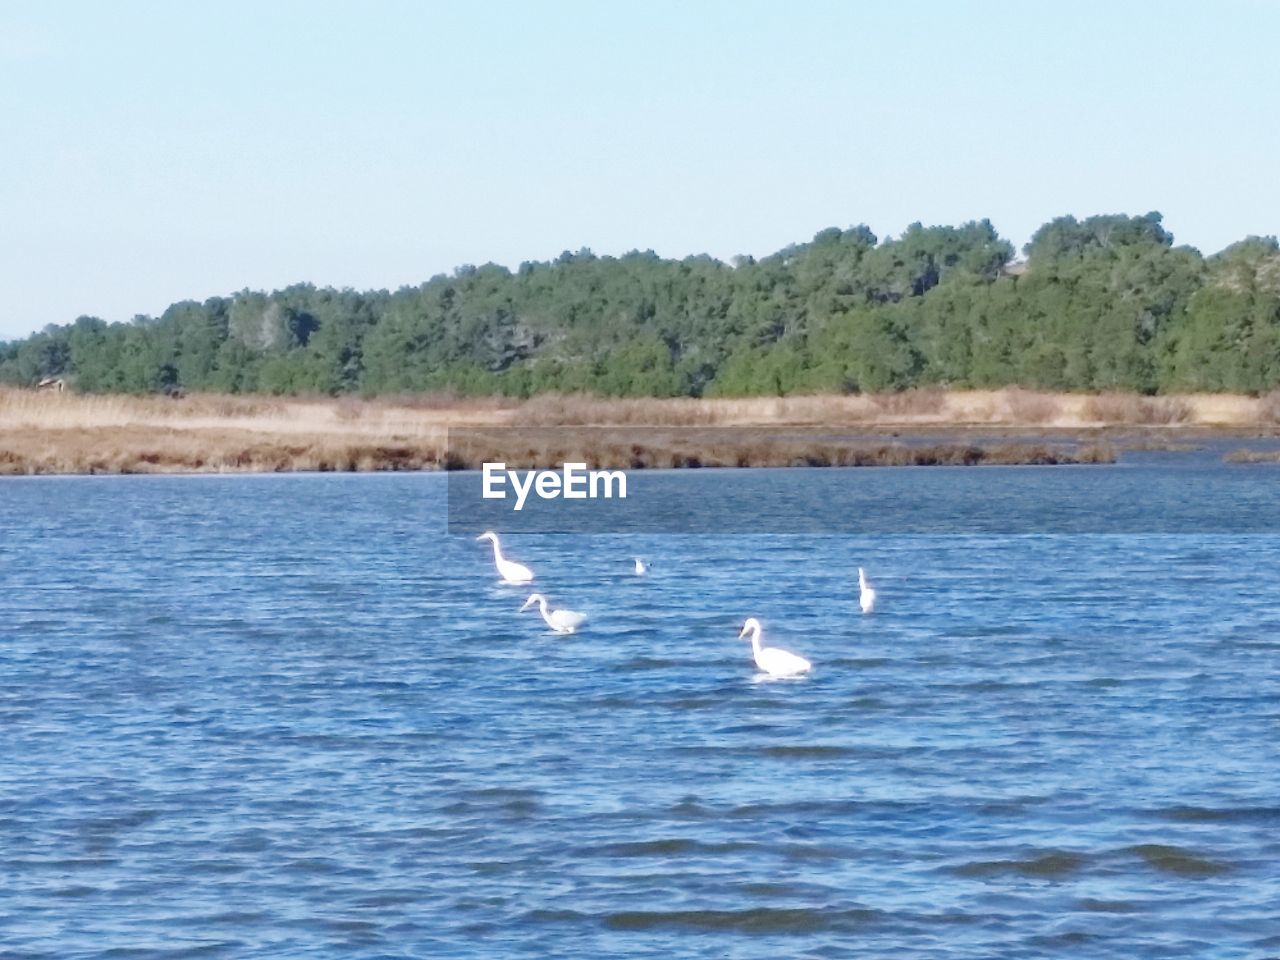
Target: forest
[{"x": 1103, "y": 303}]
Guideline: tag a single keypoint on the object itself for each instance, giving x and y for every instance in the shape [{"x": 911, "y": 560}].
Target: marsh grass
[
  {"x": 74, "y": 433},
  {"x": 650, "y": 448},
  {"x": 1030, "y": 406},
  {"x": 1132, "y": 409},
  {"x": 925, "y": 402}
]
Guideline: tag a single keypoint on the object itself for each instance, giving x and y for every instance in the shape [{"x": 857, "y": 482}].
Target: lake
[{"x": 288, "y": 716}]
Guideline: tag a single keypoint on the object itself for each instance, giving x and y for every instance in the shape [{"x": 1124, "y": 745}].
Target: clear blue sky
[{"x": 160, "y": 151}]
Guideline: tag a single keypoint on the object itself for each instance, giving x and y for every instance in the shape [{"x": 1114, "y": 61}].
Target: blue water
[{"x": 290, "y": 717}]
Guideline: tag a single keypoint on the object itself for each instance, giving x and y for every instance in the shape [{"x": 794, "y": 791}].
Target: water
[{"x": 290, "y": 717}]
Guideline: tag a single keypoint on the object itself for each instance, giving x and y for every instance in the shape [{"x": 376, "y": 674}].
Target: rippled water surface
[{"x": 289, "y": 716}]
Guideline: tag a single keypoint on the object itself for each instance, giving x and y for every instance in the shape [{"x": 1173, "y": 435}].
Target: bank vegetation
[{"x": 51, "y": 432}]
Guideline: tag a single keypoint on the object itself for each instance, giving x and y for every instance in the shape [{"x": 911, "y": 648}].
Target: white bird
[
  {"x": 642, "y": 567},
  {"x": 508, "y": 570},
  {"x": 866, "y": 592},
  {"x": 561, "y": 621},
  {"x": 773, "y": 660}
]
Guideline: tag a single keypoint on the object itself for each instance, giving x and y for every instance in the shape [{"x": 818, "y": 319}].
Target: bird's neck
[
  {"x": 755, "y": 639},
  {"x": 497, "y": 550}
]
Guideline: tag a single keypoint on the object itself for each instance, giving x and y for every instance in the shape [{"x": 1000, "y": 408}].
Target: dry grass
[
  {"x": 146, "y": 450},
  {"x": 1269, "y": 407},
  {"x": 1131, "y": 409},
  {"x": 1252, "y": 456},
  {"x": 1030, "y": 407},
  {"x": 927, "y": 402},
  {"x": 1012, "y": 407},
  {"x": 70, "y": 433},
  {"x": 566, "y": 409}
]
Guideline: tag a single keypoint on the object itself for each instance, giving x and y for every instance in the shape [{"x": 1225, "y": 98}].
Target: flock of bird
[{"x": 774, "y": 661}]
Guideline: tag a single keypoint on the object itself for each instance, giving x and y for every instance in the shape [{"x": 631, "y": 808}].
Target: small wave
[
  {"x": 1069, "y": 938},
  {"x": 779, "y": 890},
  {"x": 513, "y": 802},
  {"x": 780, "y": 751},
  {"x": 821, "y": 808},
  {"x": 647, "y": 663},
  {"x": 231, "y": 918},
  {"x": 868, "y": 703},
  {"x": 987, "y": 686},
  {"x": 807, "y": 751},
  {"x": 389, "y": 898},
  {"x": 254, "y": 841},
  {"x": 1009, "y": 806},
  {"x": 1050, "y": 864},
  {"x": 502, "y": 793},
  {"x": 1091, "y": 905},
  {"x": 62, "y": 863},
  {"x": 314, "y": 865},
  {"x": 215, "y": 867},
  {"x": 74, "y": 892},
  {"x": 1258, "y": 815},
  {"x": 692, "y": 808},
  {"x": 1177, "y": 860},
  {"x": 163, "y": 953},
  {"x": 738, "y": 729},
  {"x": 135, "y": 818},
  {"x": 813, "y": 851},
  {"x": 694, "y": 703},
  {"x": 349, "y": 926},
  {"x": 754, "y": 920},
  {"x": 666, "y": 846},
  {"x": 614, "y": 700},
  {"x": 857, "y": 663}
]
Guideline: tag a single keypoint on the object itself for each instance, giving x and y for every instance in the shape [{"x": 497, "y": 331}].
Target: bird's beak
[
  {"x": 481, "y": 537},
  {"x": 743, "y": 632},
  {"x": 528, "y": 603}
]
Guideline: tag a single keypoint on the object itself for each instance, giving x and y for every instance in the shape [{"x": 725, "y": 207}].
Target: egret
[
  {"x": 773, "y": 660},
  {"x": 642, "y": 567},
  {"x": 866, "y": 592},
  {"x": 508, "y": 570},
  {"x": 561, "y": 621}
]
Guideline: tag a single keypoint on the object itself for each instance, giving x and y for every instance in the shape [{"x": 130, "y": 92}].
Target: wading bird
[
  {"x": 508, "y": 570},
  {"x": 561, "y": 621},
  {"x": 773, "y": 660},
  {"x": 866, "y": 592}
]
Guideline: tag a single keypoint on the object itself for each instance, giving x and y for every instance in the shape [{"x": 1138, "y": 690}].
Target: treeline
[{"x": 1098, "y": 304}]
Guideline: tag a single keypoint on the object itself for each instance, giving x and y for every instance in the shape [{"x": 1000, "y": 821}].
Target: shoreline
[{"x": 68, "y": 434}]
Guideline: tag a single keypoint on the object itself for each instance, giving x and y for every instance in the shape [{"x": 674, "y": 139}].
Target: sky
[{"x": 155, "y": 151}]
